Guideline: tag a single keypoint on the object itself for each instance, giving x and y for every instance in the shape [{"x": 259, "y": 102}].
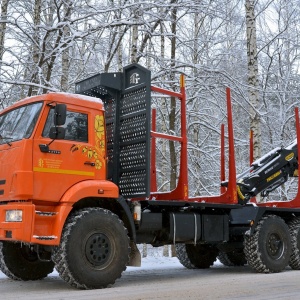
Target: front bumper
[
  {"x": 40, "y": 224},
  {"x": 17, "y": 231}
]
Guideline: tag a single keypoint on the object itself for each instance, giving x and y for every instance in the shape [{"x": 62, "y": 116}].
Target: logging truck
[{"x": 78, "y": 189}]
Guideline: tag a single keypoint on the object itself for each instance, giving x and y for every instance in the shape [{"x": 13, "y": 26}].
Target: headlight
[{"x": 15, "y": 215}]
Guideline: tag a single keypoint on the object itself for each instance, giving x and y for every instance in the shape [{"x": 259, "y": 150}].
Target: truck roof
[{"x": 68, "y": 98}]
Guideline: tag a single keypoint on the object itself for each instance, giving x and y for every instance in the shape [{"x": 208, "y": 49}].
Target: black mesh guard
[
  {"x": 134, "y": 145},
  {"x": 127, "y": 102},
  {"x": 110, "y": 122}
]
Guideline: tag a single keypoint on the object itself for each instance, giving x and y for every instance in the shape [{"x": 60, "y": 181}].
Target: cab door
[{"x": 67, "y": 161}]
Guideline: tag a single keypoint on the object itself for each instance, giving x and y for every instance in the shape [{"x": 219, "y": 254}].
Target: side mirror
[
  {"x": 57, "y": 133},
  {"x": 60, "y": 114}
]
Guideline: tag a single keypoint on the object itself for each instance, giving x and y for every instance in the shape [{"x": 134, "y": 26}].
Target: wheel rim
[
  {"x": 98, "y": 249},
  {"x": 275, "y": 246}
]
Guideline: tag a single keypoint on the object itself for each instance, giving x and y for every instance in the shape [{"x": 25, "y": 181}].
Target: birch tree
[
  {"x": 172, "y": 114},
  {"x": 65, "y": 57},
  {"x": 134, "y": 33},
  {"x": 253, "y": 76},
  {"x": 4, "y": 8},
  {"x": 35, "y": 46}
]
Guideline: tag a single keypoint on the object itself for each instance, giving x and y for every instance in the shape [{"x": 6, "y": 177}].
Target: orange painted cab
[{"x": 40, "y": 184}]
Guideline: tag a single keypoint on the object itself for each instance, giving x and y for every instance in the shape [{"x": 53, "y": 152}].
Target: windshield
[{"x": 19, "y": 123}]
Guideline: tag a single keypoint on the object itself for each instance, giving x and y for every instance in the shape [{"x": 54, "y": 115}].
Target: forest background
[{"x": 247, "y": 45}]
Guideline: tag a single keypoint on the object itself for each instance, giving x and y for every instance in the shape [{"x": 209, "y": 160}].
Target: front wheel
[
  {"x": 268, "y": 250},
  {"x": 196, "y": 256},
  {"x": 21, "y": 262},
  {"x": 94, "y": 249}
]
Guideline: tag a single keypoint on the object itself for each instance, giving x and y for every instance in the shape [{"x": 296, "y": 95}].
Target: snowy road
[{"x": 165, "y": 278}]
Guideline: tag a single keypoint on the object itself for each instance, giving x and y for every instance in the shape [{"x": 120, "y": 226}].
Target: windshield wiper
[{"x": 6, "y": 138}]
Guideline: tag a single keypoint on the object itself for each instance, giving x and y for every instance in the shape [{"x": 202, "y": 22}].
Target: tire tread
[
  {"x": 59, "y": 257},
  {"x": 252, "y": 248}
]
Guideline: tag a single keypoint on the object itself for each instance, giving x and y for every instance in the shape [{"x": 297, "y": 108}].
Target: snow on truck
[{"x": 78, "y": 189}]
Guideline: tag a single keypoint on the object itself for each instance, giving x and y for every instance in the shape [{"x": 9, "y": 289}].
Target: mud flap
[{"x": 135, "y": 259}]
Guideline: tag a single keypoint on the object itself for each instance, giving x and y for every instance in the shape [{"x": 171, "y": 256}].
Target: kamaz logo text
[{"x": 134, "y": 78}]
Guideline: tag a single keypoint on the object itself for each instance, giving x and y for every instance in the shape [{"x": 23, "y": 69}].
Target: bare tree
[{"x": 53, "y": 43}]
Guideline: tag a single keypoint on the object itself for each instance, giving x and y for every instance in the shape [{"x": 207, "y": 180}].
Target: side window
[{"x": 76, "y": 126}]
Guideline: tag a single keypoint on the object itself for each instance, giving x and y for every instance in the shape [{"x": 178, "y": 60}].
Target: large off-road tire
[
  {"x": 196, "y": 256},
  {"x": 20, "y": 262},
  {"x": 235, "y": 257},
  {"x": 268, "y": 250},
  {"x": 94, "y": 249},
  {"x": 294, "y": 226}
]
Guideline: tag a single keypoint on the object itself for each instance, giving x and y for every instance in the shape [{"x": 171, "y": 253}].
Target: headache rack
[{"x": 127, "y": 100}]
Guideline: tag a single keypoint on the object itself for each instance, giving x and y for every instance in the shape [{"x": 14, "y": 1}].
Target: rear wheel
[
  {"x": 21, "y": 262},
  {"x": 268, "y": 250},
  {"x": 294, "y": 227},
  {"x": 196, "y": 256},
  {"x": 233, "y": 258},
  {"x": 94, "y": 249}
]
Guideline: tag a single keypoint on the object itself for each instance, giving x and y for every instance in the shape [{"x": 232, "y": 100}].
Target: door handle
[{"x": 90, "y": 163}]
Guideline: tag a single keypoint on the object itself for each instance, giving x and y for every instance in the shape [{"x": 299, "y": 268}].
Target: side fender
[
  {"x": 98, "y": 188},
  {"x": 90, "y": 188},
  {"x": 84, "y": 189}
]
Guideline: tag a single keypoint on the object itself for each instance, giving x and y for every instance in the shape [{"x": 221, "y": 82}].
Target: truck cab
[{"x": 52, "y": 151}]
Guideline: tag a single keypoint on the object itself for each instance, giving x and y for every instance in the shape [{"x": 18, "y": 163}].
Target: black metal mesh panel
[
  {"x": 126, "y": 98},
  {"x": 134, "y": 102},
  {"x": 134, "y": 142},
  {"x": 110, "y": 112},
  {"x": 136, "y": 189}
]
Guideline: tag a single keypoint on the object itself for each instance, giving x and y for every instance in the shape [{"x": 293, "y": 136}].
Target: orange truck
[{"x": 78, "y": 190}]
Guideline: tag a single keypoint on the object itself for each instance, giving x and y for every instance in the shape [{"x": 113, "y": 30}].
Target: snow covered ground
[
  {"x": 149, "y": 262},
  {"x": 164, "y": 278},
  {"x": 153, "y": 261}
]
